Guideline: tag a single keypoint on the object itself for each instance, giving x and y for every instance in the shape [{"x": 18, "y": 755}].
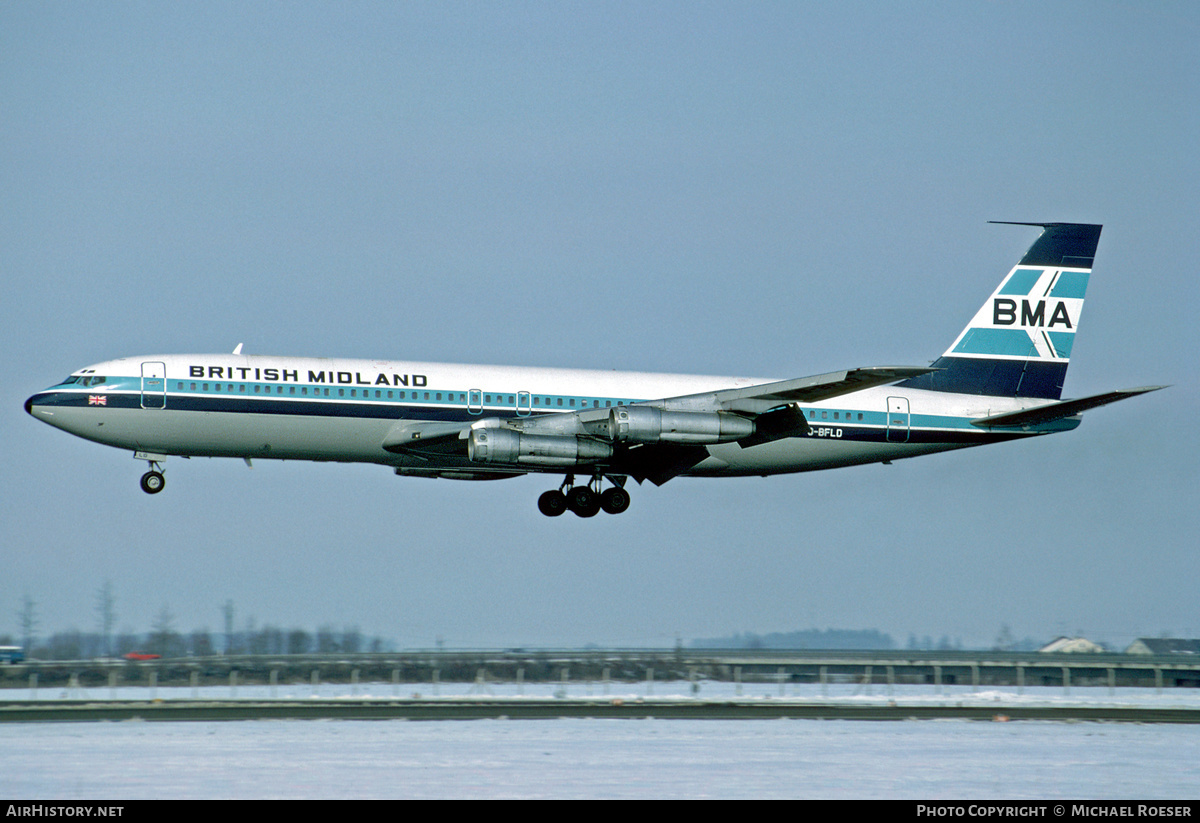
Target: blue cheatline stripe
[
  {"x": 1070, "y": 284},
  {"x": 536, "y": 403},
  {"x": 1011, "y": 342},
  {"x": 1021, "y": 282},
  {"x": 312, "y": 406}
]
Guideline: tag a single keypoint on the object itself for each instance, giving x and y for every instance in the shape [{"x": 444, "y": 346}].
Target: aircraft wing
[
  {"x": 754, "y": 414},
  {"x": 772, "y": 409},
  {"x": 1057, "y": 411},
  {"x": 755, "y": 400}
]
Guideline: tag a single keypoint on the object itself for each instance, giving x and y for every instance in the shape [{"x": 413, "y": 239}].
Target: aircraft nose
[{"x": 37, "y": 399}]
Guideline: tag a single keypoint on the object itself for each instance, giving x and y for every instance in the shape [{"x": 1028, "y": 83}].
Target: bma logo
[{"x": 1004, "y": 313}]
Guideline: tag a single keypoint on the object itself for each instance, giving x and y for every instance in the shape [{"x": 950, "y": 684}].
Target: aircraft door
[
  {"x": 897, "y": 420},
  {"x": 154, "y": 385},
  {"x": 475, "y": 401}
]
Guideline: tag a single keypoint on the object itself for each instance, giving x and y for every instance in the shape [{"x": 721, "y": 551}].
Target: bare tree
[
  {"x": 227, "y": 609},
  {"x": 298, "y": 642},
  {"x": 202, "y": 645},
  {"x": 27, "y": 619},
  {"x": 106, "y": 615},
  {"x": 163, "y": 639}
]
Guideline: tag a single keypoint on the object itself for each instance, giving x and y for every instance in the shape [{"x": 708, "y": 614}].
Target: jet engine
[
  {"x": 510, "y": 447},
  {"x": 644, "y": 424}
]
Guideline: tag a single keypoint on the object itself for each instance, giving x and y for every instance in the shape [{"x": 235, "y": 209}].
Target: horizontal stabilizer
[{"x": 1057, "y": 411}]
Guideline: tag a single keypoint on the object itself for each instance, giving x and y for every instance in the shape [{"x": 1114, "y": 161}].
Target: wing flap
[{"x": 660, "y": 462}]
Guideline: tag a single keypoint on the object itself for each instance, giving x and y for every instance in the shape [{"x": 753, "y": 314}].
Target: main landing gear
[
  {"x": 153, "y": 481},
  {"x": 586, "y": 500}
]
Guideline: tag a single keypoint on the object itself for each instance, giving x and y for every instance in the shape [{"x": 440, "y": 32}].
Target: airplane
[{"x": 1001, "y": 379}]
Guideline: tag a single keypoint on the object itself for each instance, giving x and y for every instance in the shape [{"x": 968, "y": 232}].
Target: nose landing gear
[
  {"x": 153, "y": 481},
  {"x": 586, "y": 500}
]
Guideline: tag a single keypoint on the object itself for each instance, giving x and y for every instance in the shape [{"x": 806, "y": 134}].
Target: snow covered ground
[{"x": 609, "y": 758}]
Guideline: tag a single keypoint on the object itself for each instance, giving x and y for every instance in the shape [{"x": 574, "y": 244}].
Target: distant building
[
  {"x": 1073, "y": 645},
  {"x": 1163, "y": 645}
]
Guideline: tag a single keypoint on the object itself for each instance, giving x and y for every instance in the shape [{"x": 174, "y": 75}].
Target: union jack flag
[{"x": 97, "y": 400}]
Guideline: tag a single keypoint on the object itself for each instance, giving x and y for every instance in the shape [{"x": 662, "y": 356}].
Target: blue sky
[{"x": 773, "y": 190}]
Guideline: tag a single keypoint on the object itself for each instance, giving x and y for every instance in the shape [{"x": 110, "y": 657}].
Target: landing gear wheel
[
  {"x": 614, "y": 500},
  {"x": 153, "y": 482},
  {"x": 552, "y": 503},
  {"x": 583, "y": 501}
]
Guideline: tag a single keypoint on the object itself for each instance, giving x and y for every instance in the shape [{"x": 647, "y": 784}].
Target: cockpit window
[
  {"x": 85, "y": 380},
  {"x": 70, "y": 380}
]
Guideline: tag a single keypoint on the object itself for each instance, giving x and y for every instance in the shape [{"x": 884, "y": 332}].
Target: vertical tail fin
[{"x": 1019, "y": 342}]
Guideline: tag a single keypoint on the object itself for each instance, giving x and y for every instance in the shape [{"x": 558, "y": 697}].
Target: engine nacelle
[
  {"x": 644, "y": 424},
  {"x": 510, "y": 447}
]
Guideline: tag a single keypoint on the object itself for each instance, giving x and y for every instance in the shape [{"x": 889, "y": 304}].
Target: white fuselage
[{"x": 342, "y": 410}]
